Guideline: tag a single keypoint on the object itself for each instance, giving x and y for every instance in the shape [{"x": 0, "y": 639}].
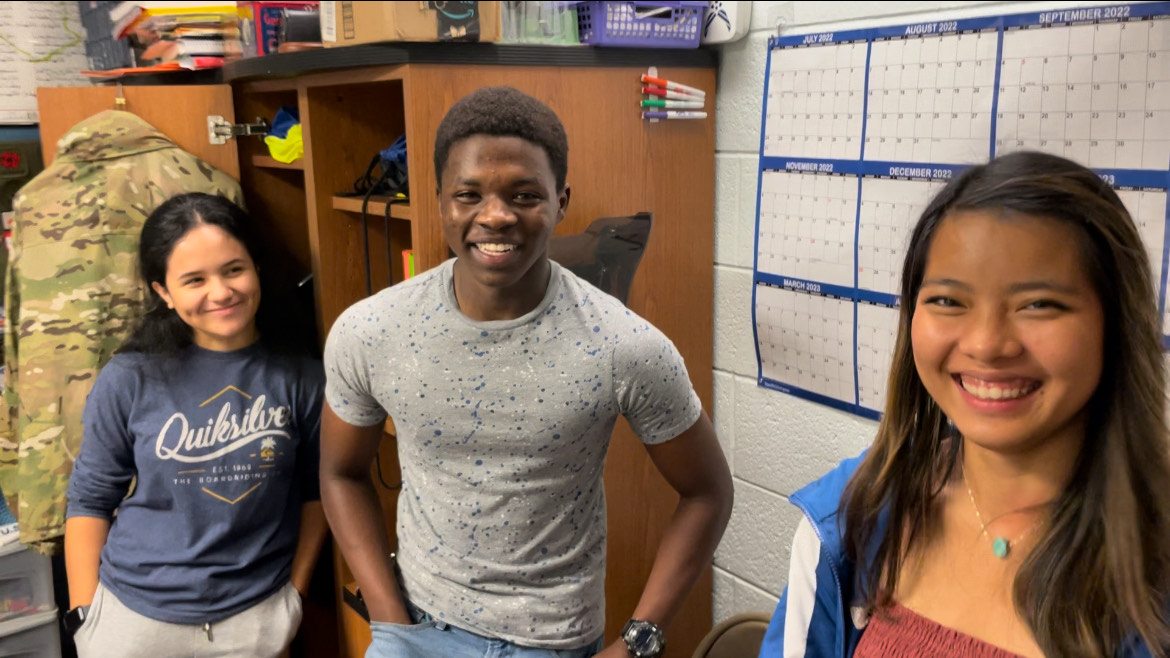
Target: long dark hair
[
  {"x": 1102, "y": 569},
  {"x": 160, "y": 330}
]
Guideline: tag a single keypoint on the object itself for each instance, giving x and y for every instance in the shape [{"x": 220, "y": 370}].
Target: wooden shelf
[
  {"x": 271, "y": 163},
  {"x": 277, "y": 66},
  {"x": 376, "y": 207},
  {"x": 276, "y": 85}
]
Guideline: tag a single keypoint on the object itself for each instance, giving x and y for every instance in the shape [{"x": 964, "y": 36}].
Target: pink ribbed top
[{"x": 899, "y": 632}]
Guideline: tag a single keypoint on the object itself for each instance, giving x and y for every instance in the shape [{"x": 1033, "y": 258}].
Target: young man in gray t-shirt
[{"x": 504, "y": 374}]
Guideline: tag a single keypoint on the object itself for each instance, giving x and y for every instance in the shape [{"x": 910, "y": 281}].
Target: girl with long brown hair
[{"x": 1016, "y": 499}]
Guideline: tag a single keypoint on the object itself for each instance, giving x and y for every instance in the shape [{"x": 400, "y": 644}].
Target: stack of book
[{"x": 195, "y": 35}]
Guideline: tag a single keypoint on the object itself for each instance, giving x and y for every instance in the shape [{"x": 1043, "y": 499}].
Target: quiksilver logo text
[{"x": 226, "y": 433}]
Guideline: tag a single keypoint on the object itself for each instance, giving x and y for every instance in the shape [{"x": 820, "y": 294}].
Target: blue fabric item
[
  {"x": 831, "y": 632},
  {"x": 224, "y": 446},
  {"x": 392, "y": 161},
  {"x": 285, "y": 118},
  {"x": 5, "y": 513},
  {"x": 288, "y": 149},
  {"x": 429, "y": 636},
  {"x": 396, "y": 153}
]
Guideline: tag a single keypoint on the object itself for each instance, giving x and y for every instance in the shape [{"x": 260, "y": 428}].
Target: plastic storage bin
[
  {"x": 26, "y": 584},
  {"x": 540, "y": 22},
  {"x": 31, "y": 637},
  {"x": 640, "y": 24}
]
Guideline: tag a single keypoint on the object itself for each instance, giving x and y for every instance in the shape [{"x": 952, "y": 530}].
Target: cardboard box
[{"x": 349, "y": 23}]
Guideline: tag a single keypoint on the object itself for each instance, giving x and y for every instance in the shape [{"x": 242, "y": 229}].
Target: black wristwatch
[
  {"x": 74, "y": 619},
  {"x": 643, "y": 639}
]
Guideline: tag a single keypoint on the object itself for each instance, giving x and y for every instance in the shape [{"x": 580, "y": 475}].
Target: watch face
[
  {"x": 643, "y": 639},
  {"x": 646, "y": 639}
]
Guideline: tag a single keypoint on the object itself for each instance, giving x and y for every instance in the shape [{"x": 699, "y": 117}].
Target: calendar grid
[
  {"x": 860, "y": 129},
  {"x": 817, "y": 102},
  {"x": 888, "y": 210},
  {"x": 809, "y": 341},
  {"x": 806, "y": 226},
  {"x": 1098, "y": 93},
  {"x": 933, "y": 97},
  {"x": 995, "y": 101},
  {"x": 877, "y": 328},
  {"x": 1163, "y": 307},
  {"x": 856, "y": 256}
]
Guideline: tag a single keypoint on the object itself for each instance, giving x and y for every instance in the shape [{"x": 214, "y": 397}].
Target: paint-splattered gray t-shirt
[{"x": 502, "y": 431}]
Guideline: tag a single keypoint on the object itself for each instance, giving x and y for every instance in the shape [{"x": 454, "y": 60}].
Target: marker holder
[{"x": 651, "y": 71}]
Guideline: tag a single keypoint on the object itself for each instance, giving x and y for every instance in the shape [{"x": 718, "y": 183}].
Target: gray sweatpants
[{"x": 263, "y": 631}]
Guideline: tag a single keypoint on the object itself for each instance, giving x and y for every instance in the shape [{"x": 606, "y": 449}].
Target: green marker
[{"x": 674, "y": 105}]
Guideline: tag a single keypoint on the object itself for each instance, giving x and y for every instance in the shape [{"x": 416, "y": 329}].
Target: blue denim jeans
[{"x": 428, "y": 637}]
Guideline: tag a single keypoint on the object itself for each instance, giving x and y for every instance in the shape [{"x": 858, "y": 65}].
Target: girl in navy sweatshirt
[{"x": 193, "y": 516}]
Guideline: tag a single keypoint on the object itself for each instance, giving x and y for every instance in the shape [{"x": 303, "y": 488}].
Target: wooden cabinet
[
  {"x": 61, "y": 108},
  {"x": 356, "y": 101}
]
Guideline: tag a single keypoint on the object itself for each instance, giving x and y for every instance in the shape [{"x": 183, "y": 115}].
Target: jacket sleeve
[{"x": 806, "y": 620}]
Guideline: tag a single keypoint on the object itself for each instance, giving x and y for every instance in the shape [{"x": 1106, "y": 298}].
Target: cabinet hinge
[{"x": 219, "y": 129}]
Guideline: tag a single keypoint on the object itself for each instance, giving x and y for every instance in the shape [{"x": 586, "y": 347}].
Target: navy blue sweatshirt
[{"x": 224, "y": 446}]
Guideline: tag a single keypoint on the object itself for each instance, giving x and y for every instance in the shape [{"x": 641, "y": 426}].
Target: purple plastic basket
[{"x": 640, "y": 24}]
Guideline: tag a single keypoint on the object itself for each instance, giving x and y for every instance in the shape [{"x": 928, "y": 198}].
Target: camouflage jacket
[{"x": 72, "y": 295}]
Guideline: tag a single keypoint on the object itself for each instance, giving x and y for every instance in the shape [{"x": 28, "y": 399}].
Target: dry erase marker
[
  {"x": 674, "y": 105},
  {"x": 665, "y": 93},
  {"x": 673, "y": 86},
  {"x": 674, "y": 114}
]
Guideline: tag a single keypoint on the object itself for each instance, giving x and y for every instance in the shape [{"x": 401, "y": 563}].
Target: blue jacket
[
  {"x": 832, "y": 611},
  {"x": 831, "y": 631}
]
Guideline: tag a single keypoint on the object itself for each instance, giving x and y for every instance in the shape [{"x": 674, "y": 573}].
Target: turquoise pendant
[{"x": 1000, "y": 547}]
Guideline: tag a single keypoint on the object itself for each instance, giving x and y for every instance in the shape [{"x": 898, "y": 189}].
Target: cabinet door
[{"x": 179, "y": 112}]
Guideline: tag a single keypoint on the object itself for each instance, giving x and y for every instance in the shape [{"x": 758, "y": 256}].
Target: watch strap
[{"x": 74, "y": 618}]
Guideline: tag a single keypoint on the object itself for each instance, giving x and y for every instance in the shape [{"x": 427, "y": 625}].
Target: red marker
[
  {"x": 672, "y": 86},
  {"x": 672, "y": 95}
]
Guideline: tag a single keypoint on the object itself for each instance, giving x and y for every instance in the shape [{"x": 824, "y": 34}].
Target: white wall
[{"x": 775, "y": 443}]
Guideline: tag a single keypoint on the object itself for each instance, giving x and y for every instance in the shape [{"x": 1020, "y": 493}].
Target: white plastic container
[
  {"x": 33, "y": 636},
  {"x": 26, "y": 584},
  {"x": 725, "y": 21}
]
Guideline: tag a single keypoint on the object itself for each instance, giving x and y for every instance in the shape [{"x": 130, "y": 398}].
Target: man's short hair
[{"x": 504, "y": 112}]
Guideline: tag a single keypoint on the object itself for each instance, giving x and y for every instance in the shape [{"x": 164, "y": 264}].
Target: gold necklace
[{"x": 1000, "y": 546}]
